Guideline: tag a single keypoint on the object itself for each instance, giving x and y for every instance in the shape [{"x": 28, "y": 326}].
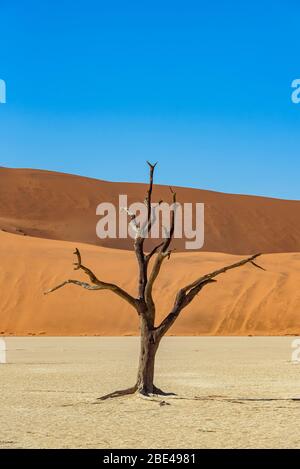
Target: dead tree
[{"x": 151, "y": 334}]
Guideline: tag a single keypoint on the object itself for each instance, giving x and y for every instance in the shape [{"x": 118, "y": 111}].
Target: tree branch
[
  {"x": 85, "y": 285},
  {"x": 186, "y": 295},
  {"x": 139, "y": 240},
  {"x": 169, "y": 238},
  {"x": 154, "y": 251},
  {"x": 149, "y": 196},
  {"x": 133, "y": 222},
  {"x": 221, "y": 271},
  {"x": 97, "y": 284},
  {"x": 163, "y": 253},
  {"x": 139, "y": 252}
]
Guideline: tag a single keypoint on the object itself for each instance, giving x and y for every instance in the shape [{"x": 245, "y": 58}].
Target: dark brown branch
[
  {"x": 133, "y": 223},
  {"x": 154, "y": 251},
  {"x": 149, "y": 196},
  {"x": 139, "y": 241},
  {"x": 186, "y": 295},
  {"x": 258, "y": 266},
  {"x": 169, "y": 238},
  {"x": 97, "y": 284},
  {"x": 139, "y": 252},
  {"x": 85, "y": 285},
  {"x": 163, "y": 253},
  {"x": 78, "y": 266},
  {"x": 221, "y": 271}
]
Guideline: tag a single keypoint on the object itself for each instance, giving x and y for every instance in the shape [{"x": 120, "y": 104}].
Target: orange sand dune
[
  {"x": 60, "y": 206},
  {"x": 243, "y": 301}
]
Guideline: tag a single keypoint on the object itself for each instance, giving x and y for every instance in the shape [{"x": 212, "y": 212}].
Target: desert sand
[
  {"x": 232, "y": 391},
  {"x": 244, "y": 388},
  {"x": 246, "y": 301},
  {"x": 44, "y": 215},
  {"x": 63, "y": 206}
]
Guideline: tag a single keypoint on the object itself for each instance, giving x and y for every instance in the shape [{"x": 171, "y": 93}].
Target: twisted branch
[
  {"x": 188, "y": 293},
  {"x": 97, "y": 284}
]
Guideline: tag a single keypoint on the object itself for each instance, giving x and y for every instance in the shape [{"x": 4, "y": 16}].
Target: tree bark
[{"x": 149, "y": 346}]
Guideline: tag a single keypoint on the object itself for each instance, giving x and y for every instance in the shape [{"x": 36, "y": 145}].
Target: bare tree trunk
[{"x": 145, "y": 377}]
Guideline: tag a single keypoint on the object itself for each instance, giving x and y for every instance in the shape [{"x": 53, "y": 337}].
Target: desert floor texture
[{"x": 236, "y": 392}]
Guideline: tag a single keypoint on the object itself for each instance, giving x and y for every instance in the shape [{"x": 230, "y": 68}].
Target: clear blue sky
[{"x": 204, "y": 87}]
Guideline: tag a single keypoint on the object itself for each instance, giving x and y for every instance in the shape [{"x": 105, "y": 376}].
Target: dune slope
[
  {"x": 61, "y": 206},
  {"x": 243, "y": 302}
]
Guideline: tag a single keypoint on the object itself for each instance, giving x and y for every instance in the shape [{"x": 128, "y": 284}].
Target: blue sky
[{"x": 96, "y": 88}]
